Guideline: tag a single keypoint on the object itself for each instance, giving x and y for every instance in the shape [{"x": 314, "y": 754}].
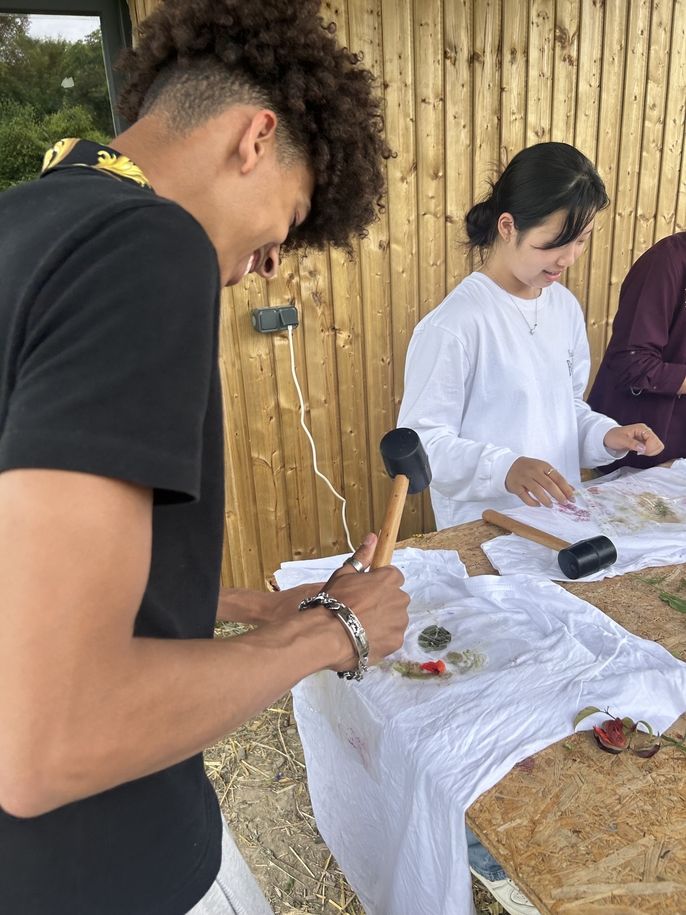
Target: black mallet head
[
  {"x": 403, "y": 453},
  {"x": 587, "y": 557}
]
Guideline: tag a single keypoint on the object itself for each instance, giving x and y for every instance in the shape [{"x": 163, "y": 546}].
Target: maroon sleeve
[{"x": 639, "y": 355}]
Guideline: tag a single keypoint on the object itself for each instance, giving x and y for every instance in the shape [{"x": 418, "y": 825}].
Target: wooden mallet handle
[
  {"x": 524, "y": 530},
  {"x": 391, "y": 523}
]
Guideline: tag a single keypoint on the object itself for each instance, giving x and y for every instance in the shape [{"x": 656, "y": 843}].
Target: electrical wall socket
[{"x": 268, "y": 320}]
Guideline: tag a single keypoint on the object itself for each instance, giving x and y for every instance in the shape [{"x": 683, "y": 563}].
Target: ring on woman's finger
[
  {"x": 355, "y": 563},
  {"x": 549, "y": 471}
]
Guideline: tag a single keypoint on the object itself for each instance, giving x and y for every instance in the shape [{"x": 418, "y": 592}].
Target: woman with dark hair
[
  {"x": 643, "y": 372},
  {"x": 495, "y": 376}
]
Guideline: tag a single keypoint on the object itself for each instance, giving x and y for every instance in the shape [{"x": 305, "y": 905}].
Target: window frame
[{"x": 115, "y": 27}]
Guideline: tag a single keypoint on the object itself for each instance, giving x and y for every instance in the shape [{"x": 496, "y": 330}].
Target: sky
[{"x": 72, "y": 28}]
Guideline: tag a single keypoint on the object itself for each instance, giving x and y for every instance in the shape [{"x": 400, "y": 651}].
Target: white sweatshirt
[{"x": 482, "y": 391}]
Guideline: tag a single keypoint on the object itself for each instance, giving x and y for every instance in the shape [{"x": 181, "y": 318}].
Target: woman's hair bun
[{"x": 480, "y": 224}]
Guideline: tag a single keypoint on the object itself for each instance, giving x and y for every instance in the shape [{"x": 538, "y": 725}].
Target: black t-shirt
[{"x": 108, "y": 365}]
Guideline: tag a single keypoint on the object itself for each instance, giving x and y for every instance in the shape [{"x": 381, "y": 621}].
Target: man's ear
[
  {"x": 506, "y": 227},
  {"x": 257, "y": 138}
]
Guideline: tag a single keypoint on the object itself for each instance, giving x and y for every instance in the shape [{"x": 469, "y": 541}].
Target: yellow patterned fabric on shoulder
[
  {"x": 121, "y": 166},
  {"x": 59, "y": 151},
  {"x": 74, "y": 153}
]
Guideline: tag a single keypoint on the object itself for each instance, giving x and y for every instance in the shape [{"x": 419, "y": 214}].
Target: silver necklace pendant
[{"x": 532, "y": 330}]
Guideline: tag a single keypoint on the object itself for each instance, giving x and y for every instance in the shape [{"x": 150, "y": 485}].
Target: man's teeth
[{"x": 250, "y": 265}]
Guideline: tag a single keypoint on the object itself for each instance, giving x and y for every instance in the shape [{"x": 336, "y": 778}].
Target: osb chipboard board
[
  {"x": 585, "y": 832},
  {"x": 590, "y": 833}
]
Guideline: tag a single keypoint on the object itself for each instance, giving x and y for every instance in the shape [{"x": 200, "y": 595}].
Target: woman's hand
[
  {"x": 637, "y": 437},
  {"x": 537, "y": 483}
]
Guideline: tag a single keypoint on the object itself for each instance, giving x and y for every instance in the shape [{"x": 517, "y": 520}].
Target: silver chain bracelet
[{"x": 354, "y": 627}]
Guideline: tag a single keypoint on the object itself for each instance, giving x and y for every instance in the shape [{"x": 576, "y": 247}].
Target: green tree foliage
[
  {"x": 12, "y": 27},
  {"x": 35, "y": 108},
  {"x": 25, "y": 135},
  {"x": 85, "y": 64}
]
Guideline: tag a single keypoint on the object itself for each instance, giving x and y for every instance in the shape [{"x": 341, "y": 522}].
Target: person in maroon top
[{"x": 643, "y": 373}]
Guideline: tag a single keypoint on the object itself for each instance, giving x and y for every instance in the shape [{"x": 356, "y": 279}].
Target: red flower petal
[
  {"x": 433, "y": 667},
  {"x": 609, "y": 740},
  {"x": 614, "y": 728}
]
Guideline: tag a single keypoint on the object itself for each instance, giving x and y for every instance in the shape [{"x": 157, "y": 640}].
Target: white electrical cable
[{"x": 311, "y": 440}]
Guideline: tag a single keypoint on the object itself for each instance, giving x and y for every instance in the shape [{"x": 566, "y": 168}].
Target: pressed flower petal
[
  {"x": 606, "y": 742},
  {"x": 616, "y": 732},
  {"x": 434, "y": 667},
  {"x": 647, "y": 752}
]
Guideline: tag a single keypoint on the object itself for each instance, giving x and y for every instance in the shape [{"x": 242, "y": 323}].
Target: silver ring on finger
[
  {"x": 355, "y": 563},
  {"x": 549, "y": 471}
]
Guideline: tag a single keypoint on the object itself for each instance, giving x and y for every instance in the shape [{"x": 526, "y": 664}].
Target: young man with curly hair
[{"x": 251, "y": 129}]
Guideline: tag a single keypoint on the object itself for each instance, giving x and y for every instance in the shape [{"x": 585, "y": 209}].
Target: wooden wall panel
[
  {"x": 349, "y": 319},
  {"x": 607, "y": 154},
  {"x": 467, "y": 83},
  {"x": 650, "y": 164},
  {"x": 565, "y": 69},
  {"x": 539, "y": 85},
  {"x": 399, "y": 32},
  {"x": 588, "y": 93},
  {"x": 458, "y": 30},
  {"x": 671, "y": 177},
  {"x": 630, "y": 128},
  {"x": 486, "y": 60},
  {"x": 513, "y": 78}
]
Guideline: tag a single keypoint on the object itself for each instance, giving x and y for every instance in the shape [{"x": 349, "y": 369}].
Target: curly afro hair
[{"x": 278, "y": 53}]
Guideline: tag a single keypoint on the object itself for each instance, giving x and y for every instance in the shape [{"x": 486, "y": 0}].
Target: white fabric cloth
[
  {"x": 393, "y": 763},
  {"x": 481, "y": 391},
  {"x": 414, "y": 564},
  {"x": 625, "y": 509}
]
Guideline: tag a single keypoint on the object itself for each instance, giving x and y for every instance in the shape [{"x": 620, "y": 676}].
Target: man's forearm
[
  {"x": 84, "y": 705},
  {"x": 239, "y": 605},
  {"x": 155, "y": 703}
]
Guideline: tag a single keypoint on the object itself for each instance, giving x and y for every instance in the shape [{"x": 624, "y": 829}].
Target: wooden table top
[{"x": 584, "y": 832}]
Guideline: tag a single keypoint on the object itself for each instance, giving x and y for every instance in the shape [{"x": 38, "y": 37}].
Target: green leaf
[
  {"x": 648, "y": 727},
  {"x": 584, "y": 713},
  {"x": 434, "y": 638},
  {"x": 678, "y": 744},
  {"x": 676, "y": 603}
]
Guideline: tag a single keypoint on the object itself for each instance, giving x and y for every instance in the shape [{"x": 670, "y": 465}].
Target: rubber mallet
[
  {"x": 585, "y": 557},
  {"x": 407, "y": 464}
]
